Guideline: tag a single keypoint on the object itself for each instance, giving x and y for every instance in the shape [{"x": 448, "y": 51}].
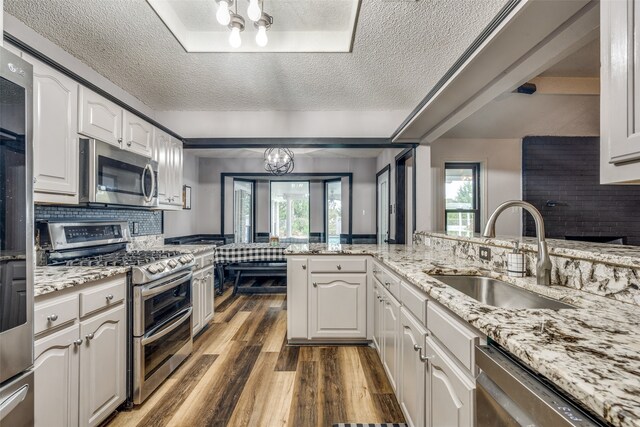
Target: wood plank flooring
[{"x": 242, "y": 373}]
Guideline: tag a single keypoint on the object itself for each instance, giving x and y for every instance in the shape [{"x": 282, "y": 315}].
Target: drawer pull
[
  {"x": 77, "y": 342},
  {"x": 52, "y": 318},
  {"x": 109, "y": 297},
  {"x": 89, "y": 336},
  {"x": 315, "y": 284},
  {"x": 339, "y": 267},
  {"x": 304, "y": 267},
  {"x": 387, "y": 284},
  {"x": 425, "y": 358},
  {"x": 416, "y": 347}
]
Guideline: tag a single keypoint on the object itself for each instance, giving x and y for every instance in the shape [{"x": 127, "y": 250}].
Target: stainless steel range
[{"x": 160, "y": 310}]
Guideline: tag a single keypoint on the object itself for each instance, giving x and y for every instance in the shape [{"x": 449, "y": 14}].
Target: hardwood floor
[{"x": 242, "y": 373}]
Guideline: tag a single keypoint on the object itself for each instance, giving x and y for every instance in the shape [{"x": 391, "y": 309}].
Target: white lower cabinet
[
  {"x": 327, "y": 299},
  {"x": 338, "y": 306},
  {"x": 56, "y": 367},
  {"x": 450, "y": 392},
  {"x": 80, "y": 363},
  {"x": 102, "y": 365},
  {"x": 378, "y": 304},
  {"x": 390, "y": 338},
  {"x": 202, "y": 292},
  {"x": 412, "y": 378}
]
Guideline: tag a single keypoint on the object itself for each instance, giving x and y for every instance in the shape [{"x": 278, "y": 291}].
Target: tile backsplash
[{"x": 149, "y": 222}]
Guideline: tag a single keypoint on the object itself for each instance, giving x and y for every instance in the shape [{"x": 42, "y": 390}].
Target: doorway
[
  {"x": 243, "y": 210},
  {"x": 405, "y": 196},
  {"x": 383, "y": 214}
]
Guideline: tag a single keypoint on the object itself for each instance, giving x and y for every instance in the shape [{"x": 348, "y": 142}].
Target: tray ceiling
[{"x": 299, "y": 25}]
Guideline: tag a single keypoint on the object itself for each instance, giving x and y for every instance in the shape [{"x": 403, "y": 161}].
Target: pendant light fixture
[
  {"x": 262, "y": 25},
  {"x": 223, "y": 16},
  {"x": 278, "y": 161}
]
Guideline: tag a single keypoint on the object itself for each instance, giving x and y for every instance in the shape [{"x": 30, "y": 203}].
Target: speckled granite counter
[
  {"x": 592, "y": 352},
  {"x": 57, "y": 278},
  {"x": 194, "y": 249}
]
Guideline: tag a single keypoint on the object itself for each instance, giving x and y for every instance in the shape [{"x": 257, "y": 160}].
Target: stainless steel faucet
[{"x": 543, "y": 266}]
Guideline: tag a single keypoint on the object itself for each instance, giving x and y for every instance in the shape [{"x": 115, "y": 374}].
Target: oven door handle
[
  {"x": 153, "y": 336},
  {"x": 148, "y": 168},
  {"x": 160, "y": 289}
]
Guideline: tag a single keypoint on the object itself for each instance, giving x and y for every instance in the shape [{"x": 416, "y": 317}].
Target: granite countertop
[
  {"x": 592, "y": 352},
  {"x": 55, "y": 278},
  {"x": 622, "y": 255}
]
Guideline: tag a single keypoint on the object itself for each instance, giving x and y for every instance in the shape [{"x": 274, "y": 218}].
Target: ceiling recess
[{"x": 302, "y": 25}]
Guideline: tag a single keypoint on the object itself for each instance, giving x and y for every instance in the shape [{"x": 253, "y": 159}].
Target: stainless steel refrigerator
[{"x": 16, "y": 242}]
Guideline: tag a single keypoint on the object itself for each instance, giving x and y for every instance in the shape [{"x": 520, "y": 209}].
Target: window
[
  {"x": 290, "y": 211},
  {"x": 462, "y": 198},
  {"x": 333, "y": 214},
  {"x": 243, "y": 211}
]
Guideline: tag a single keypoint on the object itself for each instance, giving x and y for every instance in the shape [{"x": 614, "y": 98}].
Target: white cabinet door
[
  {"x": 297, "y": 301},
  {"x": 160, "y": 153},
  {"x": 378, "y": 304},
  {"x": 338, "y": 306},
  {"x": 450, "y": 393},
  {"x": 197, "y": 302},
  {"x": 102, "y": 365},
  {"x": 55, "y": 138},
  {"x": 137, "y": 134},
  {"x": 620, "y": 91},
  {"x": 175, "y": 195},
  {"x": 56, "y": 368},
  {"x": 390, "y": 336},
  {"x": 412, "y": 370},
  {"x": 99, "y": 118},
  {"x": 207, "y": 296}
]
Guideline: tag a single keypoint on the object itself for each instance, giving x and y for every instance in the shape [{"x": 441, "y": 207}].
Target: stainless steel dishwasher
[{"x": 509, "y": 395}]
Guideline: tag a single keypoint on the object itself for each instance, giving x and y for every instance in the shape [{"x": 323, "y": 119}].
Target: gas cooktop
[{"x": 124, "y": 258}]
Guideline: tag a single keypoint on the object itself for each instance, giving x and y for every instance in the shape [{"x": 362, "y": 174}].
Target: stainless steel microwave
[{"x": 114, "y": 176}]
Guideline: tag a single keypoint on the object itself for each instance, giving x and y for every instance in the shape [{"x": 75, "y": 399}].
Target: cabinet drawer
[
  {"x": 102, "y": 296},
  {"x": 378, "y": 272},
  {"x": 338, "y": 265},
  {"x": 458, "y": 338},
  {"x": 205, "y": 261},
  {"x": 50, "y": 314},
  {"x": 415, "y": 301},
  {"x": 392, "y": 283}
]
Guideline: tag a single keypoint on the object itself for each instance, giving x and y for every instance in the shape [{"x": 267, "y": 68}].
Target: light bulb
[
  {"x": 261, "y": 37},
  {"x": 253, "y": 11},
  {"x": 234, "y": 38},
  {"x": 222, "y": 15}
]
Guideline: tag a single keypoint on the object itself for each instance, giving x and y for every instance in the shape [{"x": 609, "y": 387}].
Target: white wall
[
  {"x": 282, "y": 124},
  {"x": 500, "y": 180},
  {"x": 185, "y": 222},
  {"x": 363, "y": 170},
  {"x": 1, "y": 21},
  {"x": 425, "y": 219}
]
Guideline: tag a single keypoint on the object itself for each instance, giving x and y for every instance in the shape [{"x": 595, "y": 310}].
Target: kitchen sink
[{"x": 499, "y": 294}]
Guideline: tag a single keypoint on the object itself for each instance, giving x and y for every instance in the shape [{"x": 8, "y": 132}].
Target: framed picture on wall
[{"x": 186, "y": 197}]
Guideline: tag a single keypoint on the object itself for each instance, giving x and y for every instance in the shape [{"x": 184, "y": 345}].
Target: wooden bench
[{"x": 258, "y": 269}]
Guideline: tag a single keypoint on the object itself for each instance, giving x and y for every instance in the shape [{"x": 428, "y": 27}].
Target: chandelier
[
  {"x": 261, "y": 21},
  {"x": 278, "y": 161}
]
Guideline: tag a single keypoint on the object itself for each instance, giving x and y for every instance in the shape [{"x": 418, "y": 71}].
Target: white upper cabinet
[
  {"x": 137, "y": 134},
  {"x": 620, "y": 92},
  {"x": 175, "y": 162},
  {"x": 55, "y": 139},
  {"x": 99, "y": 118},
  {"x": 167, "y": 151}
]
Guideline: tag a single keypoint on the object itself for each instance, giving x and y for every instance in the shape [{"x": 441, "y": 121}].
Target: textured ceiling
[{"x": 400, "y": 51}]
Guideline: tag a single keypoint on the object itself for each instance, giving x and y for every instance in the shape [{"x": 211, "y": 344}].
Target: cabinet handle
[
  {"x": 304, "y": 267},
  {"x": 89, "y": 336},
  {"x": 52, "y": 318},
  {"x": 416, "y": 347},
  {"x": 387, "y": 284},
  {"x": 375, "y": 271},
  {"x": 109, "y": 297},
  {"x": 128, "y": 143},
  {"x": 77, "y": 342},
  {"x": 425, "y": 358},
  {"x": 339, "y": 267},
  {"x": 120, "y": 140},
  {"x": 315, "y": 285}
]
